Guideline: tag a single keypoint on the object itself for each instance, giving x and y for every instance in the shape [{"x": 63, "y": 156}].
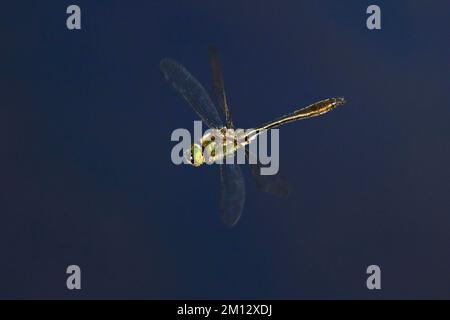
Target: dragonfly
[{"x": 218, "y": 118}]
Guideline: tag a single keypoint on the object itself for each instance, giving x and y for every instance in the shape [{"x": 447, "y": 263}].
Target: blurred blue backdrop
[{"x": 86, "y": 176}]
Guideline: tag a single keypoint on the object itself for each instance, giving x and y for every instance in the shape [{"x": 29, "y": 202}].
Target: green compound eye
[{"x": 195, "y": 156}]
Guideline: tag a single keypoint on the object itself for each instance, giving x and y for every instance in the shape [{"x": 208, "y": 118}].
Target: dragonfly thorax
[{"x": 219, "y": 143}]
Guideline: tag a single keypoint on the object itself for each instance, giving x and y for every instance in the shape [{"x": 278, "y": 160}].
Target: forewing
[
  {"x": 192, "y": 91},
  {"x": 232, "y": 197}
]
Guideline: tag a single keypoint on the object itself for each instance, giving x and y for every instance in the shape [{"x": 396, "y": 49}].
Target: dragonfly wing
[
  {"x": 218, "y": 85},
  {"x": 192, "y": 91},
  {"x": 274, "y": 184},
  {"x": 232, "y": 195}
]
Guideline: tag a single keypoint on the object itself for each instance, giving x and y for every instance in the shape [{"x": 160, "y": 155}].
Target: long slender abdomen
[{"x": 313, "y": 110}]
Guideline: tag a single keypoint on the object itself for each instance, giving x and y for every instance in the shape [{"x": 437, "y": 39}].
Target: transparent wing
[
  {"x": 192, "y": 91},
  {"x": 274, "y": 184},
  {"x": 218, "y": 85},
  {"x": 232, "y": 196}
]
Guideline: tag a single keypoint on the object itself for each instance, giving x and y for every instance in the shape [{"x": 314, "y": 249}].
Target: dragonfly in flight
[{"x": 218, "y": 118}]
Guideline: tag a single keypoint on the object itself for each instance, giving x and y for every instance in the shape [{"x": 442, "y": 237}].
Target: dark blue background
[{"x": 86, "y": 176}]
